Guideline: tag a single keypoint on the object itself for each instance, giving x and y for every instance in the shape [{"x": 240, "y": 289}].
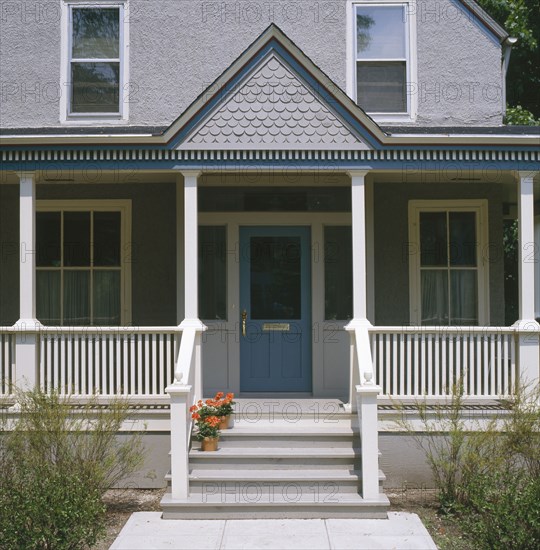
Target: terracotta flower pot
[
  {"x": 209, "y": 444},
  {"x": 226, "y": 423}
]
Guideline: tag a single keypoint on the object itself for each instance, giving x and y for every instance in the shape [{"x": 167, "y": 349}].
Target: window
[
  {"x": 82, "y": 271},
  {"x": 96, "y": 68},
  {"x": 448, "y": 276},
  {"x": 382, "y": 58},
  {"x": 338, "y": 273},
  {"x": 212, "y": 272}
]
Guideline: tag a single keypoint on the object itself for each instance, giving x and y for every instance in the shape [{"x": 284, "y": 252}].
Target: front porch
[
  {"x": 272, "y": 240},
  {"x": 352, "y": 359}
]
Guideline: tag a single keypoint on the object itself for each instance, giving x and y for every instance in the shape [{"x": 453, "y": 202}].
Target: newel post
[
  {"x": 527, "y": 328},
  {"x": 28, "y": 327},
  {"x": 179, "y": 395}
]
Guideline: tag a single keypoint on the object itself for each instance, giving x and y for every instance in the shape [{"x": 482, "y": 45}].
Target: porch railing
[
  {"x": 88, "y": 361},
  {"x": 7, "y": 361},
  {"x": 428, "y": 361},
  {"x": 107, "y": 361}
]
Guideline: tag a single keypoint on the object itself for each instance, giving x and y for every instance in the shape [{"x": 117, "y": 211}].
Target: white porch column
[
  {"x": 191, "y": 293},
  {"x": 363, "y": 396},
  {"x": 358, "y": 196},
  {"x": 191, "y": 269},
  {"x": 359, "y": 248},
  {"x": 27, "y": 338},
  {"x": 187, "y": 386},
  {"x": 527, "y": 327}
]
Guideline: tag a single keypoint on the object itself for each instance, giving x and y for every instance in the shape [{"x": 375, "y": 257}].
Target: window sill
[
  {"x": 392, "y": 117},
  {"x": 91, "y": 120}
]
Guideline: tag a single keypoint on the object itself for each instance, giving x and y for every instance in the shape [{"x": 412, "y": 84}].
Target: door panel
[{"x": 275, "y": 293}]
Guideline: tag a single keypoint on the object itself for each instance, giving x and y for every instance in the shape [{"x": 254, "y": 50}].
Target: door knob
[{"x": 244, "y": 318}]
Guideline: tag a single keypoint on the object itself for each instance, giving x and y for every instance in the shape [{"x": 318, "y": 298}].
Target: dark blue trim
[{"x": 216, "y": 165}]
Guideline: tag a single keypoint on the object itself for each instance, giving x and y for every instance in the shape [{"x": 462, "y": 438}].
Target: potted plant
[
  {"x": 207, "y": 424},
  {"x": 224, "y": 405}
]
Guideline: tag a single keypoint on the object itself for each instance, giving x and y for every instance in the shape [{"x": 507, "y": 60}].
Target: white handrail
[{"x": 407, "y": 329}]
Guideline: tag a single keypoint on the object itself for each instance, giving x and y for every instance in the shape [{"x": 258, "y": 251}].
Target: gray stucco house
[{"x": 299, "y": 202}]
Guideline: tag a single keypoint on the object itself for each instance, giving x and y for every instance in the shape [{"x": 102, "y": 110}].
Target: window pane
[
  {"x": 48, "y": 297},
  {"x": 76, "y": 238},
  {"x": 381, "y": 86},
  {"x": 338, "y": 286},
  {"x": 76, "y": 298},
  {"x": 462, "y": 238},
  {"x": 95, "y": 87},
  {"x": 96, "y": 33},
  {"x": 380, "y": 32},
  {"x": 106, "y": 238},
  {"x": 275, "y": 278},
  {"x": 48, "y": 239},
  {"x": 106, "y": 298},
  {"x": 212, "y": 273},
  {"x": 434, "y": 290},
  {"x": 266, "y": 199},
  {"x": 433, "y": 239},
  {"x": 463, "y": 295}
]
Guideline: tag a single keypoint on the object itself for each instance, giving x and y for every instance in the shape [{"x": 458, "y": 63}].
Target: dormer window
[
  {"x": 383, "y": 61},
  {"x": 95, "y": 68}
]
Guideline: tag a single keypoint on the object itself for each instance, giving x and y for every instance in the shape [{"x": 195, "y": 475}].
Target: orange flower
[
  {"x": 195, "y": 416},
  {"x": 230, "y": 396},
  {"x": 212, "y": 420},
  {"x": 219, "y": 395},
  {"x": 193, "y": 408}
]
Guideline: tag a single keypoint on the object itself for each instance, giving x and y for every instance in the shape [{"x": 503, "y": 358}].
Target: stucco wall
[
  {"x": 177, "y": 48},
  {"x": 391, "y": 228},
  {"x": 153, "y": 244}
]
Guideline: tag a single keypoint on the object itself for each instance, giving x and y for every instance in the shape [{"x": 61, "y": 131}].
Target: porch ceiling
[{"x": 293, "y": 177}]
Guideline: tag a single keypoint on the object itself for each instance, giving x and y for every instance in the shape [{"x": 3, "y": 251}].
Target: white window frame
[
  {"x": 480, "y": 208},
  {"x": 124, "y": 207},
  {"x": 411, "y": 65},
  {"x": 66, "y": 116}
]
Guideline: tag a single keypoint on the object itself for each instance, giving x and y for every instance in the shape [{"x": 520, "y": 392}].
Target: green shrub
[
  {"x": 504, "y": 511},
  {"x": 519, "y": 116},
  {"x": 57, "y": 460},
  {"x": 487, "y": 473}
]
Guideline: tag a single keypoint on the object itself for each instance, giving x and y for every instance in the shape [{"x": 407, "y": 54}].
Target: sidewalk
[{"x": 146, "y": 530}]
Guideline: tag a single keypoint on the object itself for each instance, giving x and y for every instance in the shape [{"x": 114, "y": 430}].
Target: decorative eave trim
[
  {"x": 401, "y": 140},
  {"x": 159, "y": 155}
]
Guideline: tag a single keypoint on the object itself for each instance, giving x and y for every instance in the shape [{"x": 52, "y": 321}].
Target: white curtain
[
  {"x": 76, "y": 298},
  {"x": 463, "y": 297},
  {"x": 106, "y": 298},
  {"x": 48, "y": 297},
  {"x": 434, "y": 297}
]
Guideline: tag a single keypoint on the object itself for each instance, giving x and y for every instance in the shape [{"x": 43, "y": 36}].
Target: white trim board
[
  {"x": 229, "y": 329},
  {"x": 124, "y": 207},
  {"x": 83, "y": 119},
  {"x": 480, "y": 208}
]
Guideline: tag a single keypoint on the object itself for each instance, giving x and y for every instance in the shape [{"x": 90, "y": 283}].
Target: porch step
[
  {"x": 274, "y": 505},
  {"x": 275, "y": 468}
]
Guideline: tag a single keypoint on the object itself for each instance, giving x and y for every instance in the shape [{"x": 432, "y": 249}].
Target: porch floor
[{"x": 400, "y": 531}]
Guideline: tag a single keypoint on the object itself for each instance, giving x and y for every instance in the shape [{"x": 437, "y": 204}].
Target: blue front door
[{"x": 275, "y": 309}]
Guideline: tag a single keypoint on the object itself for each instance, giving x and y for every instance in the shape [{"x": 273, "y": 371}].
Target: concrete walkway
[{"x": 146, "y": 530}]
